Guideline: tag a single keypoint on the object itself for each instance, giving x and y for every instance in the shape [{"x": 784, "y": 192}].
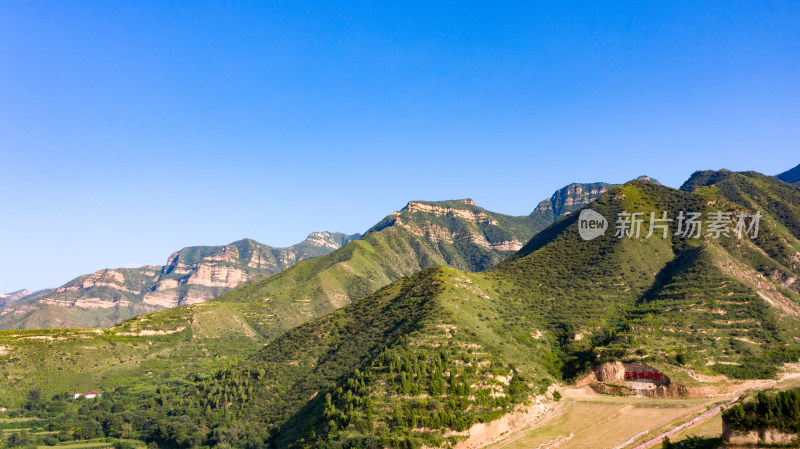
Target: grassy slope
[
  {"x": 176, "y": 343},
  {"x": 379, "y": 358}
]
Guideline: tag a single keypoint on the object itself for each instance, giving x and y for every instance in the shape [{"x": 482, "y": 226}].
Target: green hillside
[
  {"x": 424, "y": 358},
  {"x": 432, "y": 354},
  {"x": 422, "y": 234},
  {"x": 171, "y": 345}
]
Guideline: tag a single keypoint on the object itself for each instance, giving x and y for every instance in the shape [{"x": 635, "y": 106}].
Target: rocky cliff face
[
  {"x": 191, "y": 275},
  {"x": 756, "y": 438},
  {"x": 568, "y": 199},
  {"x": 439, "y": 222}
]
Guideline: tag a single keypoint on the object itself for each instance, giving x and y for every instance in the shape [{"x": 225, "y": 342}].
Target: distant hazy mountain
[
  {"x": 790, "y": 176},
  {"x": 14, "y": 296},
  {"x": 9, "y": 298},
  {"x": 191, "y": 275}
]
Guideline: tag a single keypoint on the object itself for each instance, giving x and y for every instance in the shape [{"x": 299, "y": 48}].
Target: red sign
[{"x": 643, "y": 375}]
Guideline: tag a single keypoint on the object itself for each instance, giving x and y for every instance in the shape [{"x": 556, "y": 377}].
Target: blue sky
[{"x": 128, "y": 131}]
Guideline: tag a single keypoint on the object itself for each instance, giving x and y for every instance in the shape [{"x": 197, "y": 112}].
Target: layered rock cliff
[
  {"x": 568, "y": 199},
  {"x": 191, "y": 275}
]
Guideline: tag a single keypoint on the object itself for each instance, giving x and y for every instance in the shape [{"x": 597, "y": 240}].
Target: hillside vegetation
[
  {"x": 422, "y": 359},
  {"x": 200, "y": 338}
]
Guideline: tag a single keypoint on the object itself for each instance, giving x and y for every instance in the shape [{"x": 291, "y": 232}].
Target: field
[
  {"x": 600, "y": 421},
  {"x": 11, "y": 426},
  {"x": 710, "y": 428},
  {"x": 606, "y": 422}
]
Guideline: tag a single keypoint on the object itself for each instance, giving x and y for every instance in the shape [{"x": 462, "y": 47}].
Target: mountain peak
[
  {"x": 703, "y": 178},
  {"x": 23, "y": 292},
  {"x": 332, "y": 240},
  {"x": 193, "y": 274},
  {"x": 791, "y": 176},
  {"x": 8, "y": 298},
  {"x": 414, "y": 206},
  {"x": 570, "y": 198},
  {"x": 647, "y": 179}
]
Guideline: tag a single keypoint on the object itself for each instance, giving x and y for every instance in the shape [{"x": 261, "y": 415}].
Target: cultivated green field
[{"x": 35, "y": 437}]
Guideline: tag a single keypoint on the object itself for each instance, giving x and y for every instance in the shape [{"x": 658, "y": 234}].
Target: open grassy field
[
  {"x": 599, "y": 422},
  {"x": 710, "y": 428}
]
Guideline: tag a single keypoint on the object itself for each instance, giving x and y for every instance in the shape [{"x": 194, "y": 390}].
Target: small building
[
  {"x": 92, "y": 395},
  {"x": 75, "y": 395}
]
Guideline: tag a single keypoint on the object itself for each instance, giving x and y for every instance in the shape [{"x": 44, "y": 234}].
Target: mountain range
[
  {"x": 415, "y": 334},
  {"x": 427, "y": 357},
  {"x": 236, "y": 324},
  {"x": 191, "y": 275},
  {"x": 423, "y": 234}
]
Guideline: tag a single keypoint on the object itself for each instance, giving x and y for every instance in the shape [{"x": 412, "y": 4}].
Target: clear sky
[{"x": 128, "y": 131}]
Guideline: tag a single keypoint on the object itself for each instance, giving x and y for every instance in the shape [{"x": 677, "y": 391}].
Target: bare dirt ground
[{"x": 585, "y": 419}]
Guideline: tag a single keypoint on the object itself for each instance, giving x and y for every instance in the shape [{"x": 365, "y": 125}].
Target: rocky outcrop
[
  {"x": 421, "y": 219},
  {"x": 636, "y": 379},
  {"x": 507, "y": 245},
  {"x": 756, "y": 437},
  {"x": 572, "y": 197},
  {"x": 323, "y": 240},
  {"x": 216, "y": 276},
  {"x": 627, "y": 372},
  {"x": 475, "y": 216}
]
